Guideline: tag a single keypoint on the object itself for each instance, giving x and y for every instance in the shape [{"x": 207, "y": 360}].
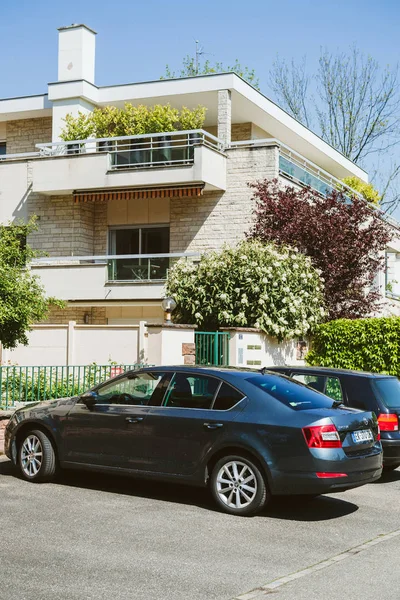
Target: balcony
[
  {"x": 120, "y": 277},
  {"x": 179, "y": 158}
]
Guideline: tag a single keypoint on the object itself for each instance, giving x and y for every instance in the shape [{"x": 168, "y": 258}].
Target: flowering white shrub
[{"x": 250, "y": 285}]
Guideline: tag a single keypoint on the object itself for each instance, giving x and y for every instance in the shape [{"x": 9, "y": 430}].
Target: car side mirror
[{"x": 89, "y": 399}]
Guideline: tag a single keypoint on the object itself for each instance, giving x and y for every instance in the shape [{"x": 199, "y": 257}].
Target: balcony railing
[
  {"x": 127, "y": 268},
  {"x": 175, "y": 148}
]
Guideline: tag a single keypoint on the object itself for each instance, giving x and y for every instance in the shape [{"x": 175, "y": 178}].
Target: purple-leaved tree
[{"x": 345, "y": 240}]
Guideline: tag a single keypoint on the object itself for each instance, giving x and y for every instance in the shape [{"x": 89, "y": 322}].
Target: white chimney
[{"x": 76, "y": 53}]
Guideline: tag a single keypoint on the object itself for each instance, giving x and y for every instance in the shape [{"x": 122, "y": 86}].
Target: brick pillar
[{"x": 224, "y": 116}]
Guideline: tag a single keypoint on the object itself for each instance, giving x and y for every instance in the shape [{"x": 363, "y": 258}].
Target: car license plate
[{"x": 360, "y": 437}]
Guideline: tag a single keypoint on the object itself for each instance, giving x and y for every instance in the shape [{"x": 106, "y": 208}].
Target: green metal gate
[{"x": 212, "y": 348}]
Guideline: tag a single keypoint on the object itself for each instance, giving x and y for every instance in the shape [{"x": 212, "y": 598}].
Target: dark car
[
  {"x": 365, "y": 391},
  {"x": 246, "y": 434}
]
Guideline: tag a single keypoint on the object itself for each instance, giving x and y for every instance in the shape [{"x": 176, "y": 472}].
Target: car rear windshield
[
  {"x": 389, "y": 391},
  {"x": 291, "y": 393}
]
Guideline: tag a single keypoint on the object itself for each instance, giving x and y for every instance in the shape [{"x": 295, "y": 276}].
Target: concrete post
[
  {"x": 224, "y": 116},
  {"x": 170, "y": 344},
  {"x": 71, "y": 342}
]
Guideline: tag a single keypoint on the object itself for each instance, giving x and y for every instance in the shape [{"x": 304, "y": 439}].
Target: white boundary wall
[
  {"x": 252, "y": 348},
  {"x": 74, "y": 344}
]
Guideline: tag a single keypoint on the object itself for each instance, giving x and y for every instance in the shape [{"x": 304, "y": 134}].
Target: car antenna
[{"x": 263, "y": 370}]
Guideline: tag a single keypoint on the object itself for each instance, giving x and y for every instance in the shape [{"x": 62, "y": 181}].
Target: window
[
  {"x": 330, "y": 386},
  {"x": 291, "y": 393},
  {"x": 227, "y": 397},
  {"x": 139, "y": 240},
  {"x": 316, "y": 382},
  {"x": 389, "y": 391},
  {"x": 333, "y": 389},
  {"x": 191, "y": 391},
  {"x": 131, "y": 390},
  {"x": 3, "y": 148}
]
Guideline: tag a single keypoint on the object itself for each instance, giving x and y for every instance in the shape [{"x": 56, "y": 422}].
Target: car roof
[
  {"x": 329, "y": 371},
  {"x": 206, "y": 370}
]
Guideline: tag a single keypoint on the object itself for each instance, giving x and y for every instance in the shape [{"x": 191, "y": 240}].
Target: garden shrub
[
  {"x": 361, "y": 344},
  {"x": 250, "y": 285}
]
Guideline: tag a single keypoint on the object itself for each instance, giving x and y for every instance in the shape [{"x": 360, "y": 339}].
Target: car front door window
[{"x": 132, "y": 390}]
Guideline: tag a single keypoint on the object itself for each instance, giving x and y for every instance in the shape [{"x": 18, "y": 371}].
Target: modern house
[{"x": 113, "y": 214}]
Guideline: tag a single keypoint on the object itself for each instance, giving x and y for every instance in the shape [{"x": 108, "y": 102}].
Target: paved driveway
[{"x": 90, "y": 537}]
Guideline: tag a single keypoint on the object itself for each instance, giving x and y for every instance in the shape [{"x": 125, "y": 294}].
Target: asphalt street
[{"x": 89, "y": 537}]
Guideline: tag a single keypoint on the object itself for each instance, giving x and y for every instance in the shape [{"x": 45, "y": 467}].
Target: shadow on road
[
  {"x": 389, "y": 477},
  {"x": 294, "y": 508}
]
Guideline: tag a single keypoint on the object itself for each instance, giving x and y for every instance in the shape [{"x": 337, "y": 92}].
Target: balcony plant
[{"x": 132, "y": 120}]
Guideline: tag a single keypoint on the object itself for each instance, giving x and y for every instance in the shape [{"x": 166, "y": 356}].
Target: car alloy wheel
[
  {"x": 238, "y": 486},
  {"x": 31, "y": 456},
  {"x": 37, "y": 459}
]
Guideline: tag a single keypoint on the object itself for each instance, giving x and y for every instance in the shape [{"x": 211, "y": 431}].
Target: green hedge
[{"x": 360, "y": 344}]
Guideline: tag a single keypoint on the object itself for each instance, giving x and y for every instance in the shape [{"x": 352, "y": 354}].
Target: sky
[{"x": 136, "y": 39}]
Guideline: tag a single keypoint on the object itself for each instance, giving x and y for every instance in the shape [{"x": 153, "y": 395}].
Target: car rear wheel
[
  {"x": 37, "y": 459},
  {"x": 238, "y": 486}
]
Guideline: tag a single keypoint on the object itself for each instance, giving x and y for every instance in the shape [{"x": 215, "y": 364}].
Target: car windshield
[
  {"x": 291, "y": 393},
  {"x": 389, "y": 391}
]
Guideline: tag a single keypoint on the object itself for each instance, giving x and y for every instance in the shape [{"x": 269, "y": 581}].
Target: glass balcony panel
[
  {"x": 288, "y": 167},
  {"x": 138, "y": 269}
]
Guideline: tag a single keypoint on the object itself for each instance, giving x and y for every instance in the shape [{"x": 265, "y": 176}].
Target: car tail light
[
  {"x": 322, "y": 436},
  {"x": 378, "y": 435},
  {"x": 388, "y": 422},
  {"x": 330, "y": 475}
]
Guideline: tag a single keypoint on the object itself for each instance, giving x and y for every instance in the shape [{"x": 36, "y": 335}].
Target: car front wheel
[
  {"x": 37, "y": 459},
  {"x": 238, "y": 486}
]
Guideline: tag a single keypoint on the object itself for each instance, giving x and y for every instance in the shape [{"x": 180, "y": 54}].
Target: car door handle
[
  {"x": 134, "y": 419},
  {"x": 213, "y": 425}
]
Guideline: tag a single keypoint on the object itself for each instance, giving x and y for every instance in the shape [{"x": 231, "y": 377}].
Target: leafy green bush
[
  {"x": 360, "y": 344},
  {"x": 111, "y": 121},
  {"x": 249, "y": 285}
]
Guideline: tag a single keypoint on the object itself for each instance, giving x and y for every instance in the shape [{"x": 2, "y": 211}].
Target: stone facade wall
[
  {"x": 224, "y": 116},
  {"x": 207, "y": 222},
  {"x": 100, "y": 230},
  {"x": 64, "y": 228},
  {"x": 239, "y": 131},
  {"x": 22, "y": 135},
  {"x": 59, "y": 316}
]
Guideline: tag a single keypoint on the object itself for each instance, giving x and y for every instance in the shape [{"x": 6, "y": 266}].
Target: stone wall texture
[
  {"x": 58, "y": 316},
  {"x": 64, "y": 228},
  {"x": 23, "y": 134},
  {"x": 208, "y": 221}
]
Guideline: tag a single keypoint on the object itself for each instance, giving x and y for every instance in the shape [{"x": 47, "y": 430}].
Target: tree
[
  {"x": 353, "y": 104},
  {"x": 357, "y": 104},
  {"x": 345, "y": 240},
  {"x": 192, "y": 67},
  {"x": 22, "y": 298},
  {"x": 250, "y": 285},
  {"x": 367, "y": 190}
]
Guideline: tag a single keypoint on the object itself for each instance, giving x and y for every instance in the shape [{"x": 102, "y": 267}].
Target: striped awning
[{"x": 138, "y": 194}]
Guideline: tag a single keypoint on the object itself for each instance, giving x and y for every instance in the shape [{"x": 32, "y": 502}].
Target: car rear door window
[
  {"x": 227, "y": 397},
  {"x": 330, "y": 386},
  {"x": 291, "y": 393},
  {"x": 316, "y": 382},
  {"x": 191, "y": 391},
  {"x": 333, "y": 389}
]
